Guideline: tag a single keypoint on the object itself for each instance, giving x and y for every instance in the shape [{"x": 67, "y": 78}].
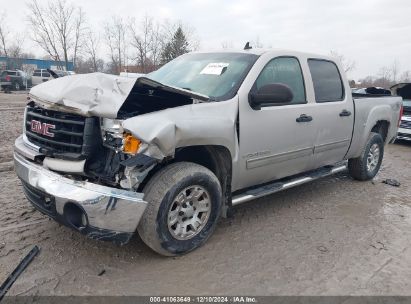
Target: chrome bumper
[
  {"x": 102, "y": 212},
  {"x": 404, "y": 134}
]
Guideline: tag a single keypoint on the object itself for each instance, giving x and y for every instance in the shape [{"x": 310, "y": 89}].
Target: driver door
[{"x": 274, "y": 141}]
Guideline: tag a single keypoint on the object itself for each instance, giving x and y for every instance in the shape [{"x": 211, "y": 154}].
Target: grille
[
  {"x": 40, "y": 200},
  {"x": 71, "y": 134},
  {"x": 405, "y": 124}
]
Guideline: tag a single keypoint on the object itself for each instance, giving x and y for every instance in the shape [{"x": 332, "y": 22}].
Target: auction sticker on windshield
[{"x": 215, "y": 68}]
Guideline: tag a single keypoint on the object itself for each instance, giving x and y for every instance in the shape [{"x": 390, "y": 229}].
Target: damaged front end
[
  {"x": 90, "y": 142},
  {"x": 86, "y": 114},
  {"x": 121, "y": 163}
]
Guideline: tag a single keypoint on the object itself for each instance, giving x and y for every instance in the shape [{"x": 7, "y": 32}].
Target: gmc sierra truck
[{"x": 167, "y": 154}]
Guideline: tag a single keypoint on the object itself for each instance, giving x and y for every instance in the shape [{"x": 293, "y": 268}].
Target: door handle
[
  {"x": 345, "y": 113},
  {"x": 304, "y": 118}
]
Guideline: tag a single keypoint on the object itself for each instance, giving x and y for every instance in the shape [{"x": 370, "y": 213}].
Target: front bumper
[
  {"x": 404, "y": 134},
  {"x": 98, "y": 211}
]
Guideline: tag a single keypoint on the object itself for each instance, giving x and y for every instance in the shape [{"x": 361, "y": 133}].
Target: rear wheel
[
  {"x": 366, "y": 166},
  {"x": 184, "y": 204}
]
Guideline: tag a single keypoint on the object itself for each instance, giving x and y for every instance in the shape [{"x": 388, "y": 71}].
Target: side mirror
[{"x": 271, "y": 94}]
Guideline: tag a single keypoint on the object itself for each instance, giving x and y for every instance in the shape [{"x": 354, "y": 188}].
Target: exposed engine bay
[{"x": 110, "y": 96}]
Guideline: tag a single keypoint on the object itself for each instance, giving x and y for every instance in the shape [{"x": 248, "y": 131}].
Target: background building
[{"x": 29, "y": 65}]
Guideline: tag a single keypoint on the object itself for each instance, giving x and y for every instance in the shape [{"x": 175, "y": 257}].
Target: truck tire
[
  {"x": 184, "y": 204},
  {"x": 366, "y": 166}
]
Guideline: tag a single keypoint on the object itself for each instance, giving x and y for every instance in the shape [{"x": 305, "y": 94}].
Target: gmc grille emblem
[{"x": 42, "y": 128}]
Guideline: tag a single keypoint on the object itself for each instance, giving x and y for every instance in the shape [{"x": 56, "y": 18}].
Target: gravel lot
[{"x": 334, "y": 236}]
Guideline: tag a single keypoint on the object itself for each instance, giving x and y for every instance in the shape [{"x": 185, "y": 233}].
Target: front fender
[{"x": 210, "y": 123}]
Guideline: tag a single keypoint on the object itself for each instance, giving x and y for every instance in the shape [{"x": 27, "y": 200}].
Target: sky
[{"x": 373, "y": 33}]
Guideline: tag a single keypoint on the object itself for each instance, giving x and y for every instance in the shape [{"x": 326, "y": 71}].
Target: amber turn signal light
[{"x": 130, "y": 143}]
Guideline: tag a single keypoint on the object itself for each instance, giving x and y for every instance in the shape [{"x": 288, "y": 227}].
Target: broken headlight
[{"x": 114, "y": 137}]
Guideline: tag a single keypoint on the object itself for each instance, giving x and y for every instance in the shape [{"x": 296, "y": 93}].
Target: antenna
[{"x": 247, "y": 46}]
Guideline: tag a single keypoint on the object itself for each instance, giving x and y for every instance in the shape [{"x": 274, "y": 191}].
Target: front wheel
[
  {"x": 184, "y": 204},
  {"x": 366, "y": 166}
]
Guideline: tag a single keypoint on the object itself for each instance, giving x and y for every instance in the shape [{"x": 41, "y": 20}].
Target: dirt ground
[{"x": 334, "y": 236}]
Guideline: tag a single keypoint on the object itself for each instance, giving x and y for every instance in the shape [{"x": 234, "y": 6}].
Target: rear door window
[
  {"x": 46, "y": 74},
  {"x": 328, "y": 85},
  {"x": 37, "y": 73}
]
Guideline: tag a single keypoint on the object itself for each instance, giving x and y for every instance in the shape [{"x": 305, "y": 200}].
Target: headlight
[{"x": 114, "y": 137}]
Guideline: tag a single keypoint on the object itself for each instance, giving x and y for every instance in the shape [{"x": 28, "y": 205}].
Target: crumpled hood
[{"x": 96, "y": 94}]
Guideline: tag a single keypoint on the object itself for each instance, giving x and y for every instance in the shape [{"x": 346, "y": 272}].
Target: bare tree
[
  {"x": 87, "y": 65},
  {"x": 147, "y": 42},
  {"x": 12, "y": 48},
  {"x": 385, "y": 76},
  {"x": 16, "y": 49},
  {"x": 157, "y": 44},
  {"x": 4, "y": 33},
  {"x": 227, "y": 44},
  {"x": 394, "y": 70},
  {"x": 348, "y": 65},
  {"x": 79, "y": 30},
  {"x": 115, "y": 33},
  {"x": 92, "y": 45},
  {"x": 43, "y": 33},
  {"x": 406, "y": 76},
  {"x": 57, "y": 28},
  {"x": 257, "y": 43}
]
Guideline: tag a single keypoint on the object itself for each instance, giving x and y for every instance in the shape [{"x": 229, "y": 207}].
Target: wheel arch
[
  {"x": 378, "y": 120},
  {"x": 381, "y": 127},
  {"x": 216, "y": 158}
]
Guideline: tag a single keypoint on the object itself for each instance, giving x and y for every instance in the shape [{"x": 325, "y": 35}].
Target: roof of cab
[{"x": 261, "y": 51}]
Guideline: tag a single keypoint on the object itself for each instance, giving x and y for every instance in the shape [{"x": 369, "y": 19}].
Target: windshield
[{"x": 217, "y": 75}]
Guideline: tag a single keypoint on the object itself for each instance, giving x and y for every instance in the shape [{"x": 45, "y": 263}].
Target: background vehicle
[
  {"x": 64, "y": 73},
  {"x": 371, "y": 90},
  {"x": 42, "y": 75},
  {"x": 14, "y": 80},
  {"x": 167, "y": 155},
  {"x": 131, "y": 75},
  {"x": 404, "y": 90}
]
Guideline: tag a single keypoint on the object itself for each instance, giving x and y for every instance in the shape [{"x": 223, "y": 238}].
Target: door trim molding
[
  {"x": 278, "y": 158},
  {"x": 332, "y": 146}
]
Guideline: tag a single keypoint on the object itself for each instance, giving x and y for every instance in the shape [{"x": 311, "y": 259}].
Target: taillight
[
  {"x": 8, "y": 78},
  {"x": 401, "y": 112}
]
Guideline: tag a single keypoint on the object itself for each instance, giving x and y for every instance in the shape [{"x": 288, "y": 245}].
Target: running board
[{"x": 277, "y": 186}]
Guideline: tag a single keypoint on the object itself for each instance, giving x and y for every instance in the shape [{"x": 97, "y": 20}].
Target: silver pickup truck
[{"x": 166, "y": 155}]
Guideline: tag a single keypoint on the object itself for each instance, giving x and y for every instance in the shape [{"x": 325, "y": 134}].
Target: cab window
[
  {"x": 328, "y": 86},
  {"x": 284, "y": 70}
]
